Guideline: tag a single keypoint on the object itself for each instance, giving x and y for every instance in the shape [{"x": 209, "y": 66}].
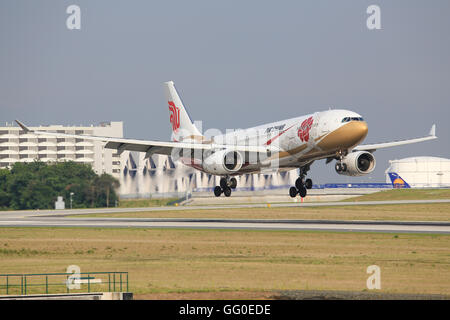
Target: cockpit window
[{"x": 348, "y": 119}]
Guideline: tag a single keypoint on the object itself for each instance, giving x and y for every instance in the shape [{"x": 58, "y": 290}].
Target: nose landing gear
[
  {"x": 226, "y": 184},
  {"x": 340, "y": 165}
]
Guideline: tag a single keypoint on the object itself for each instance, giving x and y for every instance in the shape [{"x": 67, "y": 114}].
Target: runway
[
  {"x": 58, "y": 218},
  {"x": 71, "y": 212},
  {"x": 253, "y": 224}
]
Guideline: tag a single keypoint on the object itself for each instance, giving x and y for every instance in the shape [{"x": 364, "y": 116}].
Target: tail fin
[
  {"x": 397, "y": 181},
  {"x": 182, "y": 126}
]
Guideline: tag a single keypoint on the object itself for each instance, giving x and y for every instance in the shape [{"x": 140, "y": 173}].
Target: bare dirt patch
[{"x": 289, "y": 295}]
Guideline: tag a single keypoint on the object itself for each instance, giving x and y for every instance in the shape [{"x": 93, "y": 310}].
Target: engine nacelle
[
  {"x": 223, "y": 162},
  {"x": 357, "y": 164}
]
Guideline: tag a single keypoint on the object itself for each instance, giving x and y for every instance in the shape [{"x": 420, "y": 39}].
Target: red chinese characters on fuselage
[{"x": 303, "y": 131}]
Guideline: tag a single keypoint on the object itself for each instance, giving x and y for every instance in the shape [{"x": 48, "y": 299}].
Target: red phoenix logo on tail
[
  {"x": 174, "y": 116},
  {"x": 303, "y": 132}
]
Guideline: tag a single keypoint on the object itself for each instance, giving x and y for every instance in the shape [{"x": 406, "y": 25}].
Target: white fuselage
[{"x": 300, "y": 140}]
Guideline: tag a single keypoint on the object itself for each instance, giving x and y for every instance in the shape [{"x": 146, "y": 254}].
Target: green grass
[
  {"x": 404, "y": 194},
  {"x": 410, "y": 212},
  {"x": 192, "y": 260}
]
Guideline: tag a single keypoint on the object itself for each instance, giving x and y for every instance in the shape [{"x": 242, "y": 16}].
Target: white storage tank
[{"x": 422, "y": 172}]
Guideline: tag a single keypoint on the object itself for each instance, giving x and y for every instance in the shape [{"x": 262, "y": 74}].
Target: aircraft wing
[
  {"x": 373, "y": 147},
  {"x": 151, "y": 147}
]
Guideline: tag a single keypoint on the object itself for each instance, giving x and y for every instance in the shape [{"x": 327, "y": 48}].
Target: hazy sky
[{"x": 236, "y": 64}]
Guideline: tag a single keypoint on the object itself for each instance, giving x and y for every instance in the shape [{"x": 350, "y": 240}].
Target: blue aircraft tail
[{"x": 397, "y": 181}]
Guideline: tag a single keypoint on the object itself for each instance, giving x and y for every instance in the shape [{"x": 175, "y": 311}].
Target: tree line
[{"x": 37, "y": 185}]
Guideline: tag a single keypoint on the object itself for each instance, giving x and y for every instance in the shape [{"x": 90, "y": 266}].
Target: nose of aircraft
[
  {"x": 361, "y": 129},
  {"x": 356, "y": 132},
  {"x": 348, "y": 135}
]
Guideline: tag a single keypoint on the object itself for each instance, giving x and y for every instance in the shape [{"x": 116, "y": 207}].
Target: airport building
[
  {"x": 422, "y": 172},
  {"x": 19, "y": 146}
]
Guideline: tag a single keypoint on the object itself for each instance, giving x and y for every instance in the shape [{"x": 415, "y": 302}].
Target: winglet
[
  {"x": 433, "y": 131},
  {"x": 24, "y": 127}
]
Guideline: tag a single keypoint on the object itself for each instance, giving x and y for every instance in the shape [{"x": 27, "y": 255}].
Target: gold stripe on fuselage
[{"x": 345, "y": 137}]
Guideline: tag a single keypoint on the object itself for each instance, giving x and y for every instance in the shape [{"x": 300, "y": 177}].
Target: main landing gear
[
  {"x": 301, "y": 185},
  {"x": 226, "y": 184}
]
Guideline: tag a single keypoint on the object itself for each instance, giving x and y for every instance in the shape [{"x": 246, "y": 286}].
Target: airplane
[{"x": 279, "y": 146}]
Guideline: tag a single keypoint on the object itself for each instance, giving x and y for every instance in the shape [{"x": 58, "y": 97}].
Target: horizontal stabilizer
[{"x": 24, "y": 128}]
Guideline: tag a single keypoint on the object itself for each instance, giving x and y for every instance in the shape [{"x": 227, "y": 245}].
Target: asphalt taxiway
[
  {"x": 59, "y": 218},
  {"x": 249, "y": 224}
]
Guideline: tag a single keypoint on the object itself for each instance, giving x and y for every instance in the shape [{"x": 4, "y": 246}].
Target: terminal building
[
  {"x": 18, "y": 146},
  {"x": 422, "y": 172}
]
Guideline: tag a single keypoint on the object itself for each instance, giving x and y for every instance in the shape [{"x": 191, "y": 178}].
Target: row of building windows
[
  {"x": 42, "y": 156},
  {"x": 46, "y": 148},
  {"x": 23, "y": 140},
  {"x": 21, "y": 132}
]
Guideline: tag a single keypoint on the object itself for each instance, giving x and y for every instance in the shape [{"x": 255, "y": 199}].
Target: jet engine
[
  {"x": 223, "y": 162},
  {"x": 356, "y": 164}
]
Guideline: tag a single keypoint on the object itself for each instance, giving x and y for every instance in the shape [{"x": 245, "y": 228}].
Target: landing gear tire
[
  {"x": 225, "y": 186},
  {"x": 302, "y": 192},
  {"x": 299, "y": 183},
  {"x": 308, "y": 184},
  {"x": 227, "y": 191},
  {"x": 341, "y": 167},
  {"x": 293, "y": 192},
  {"x": 233, "y": 183},
  {"x": 223, "y": 183},
  {"x": 217, "y": 191}
]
